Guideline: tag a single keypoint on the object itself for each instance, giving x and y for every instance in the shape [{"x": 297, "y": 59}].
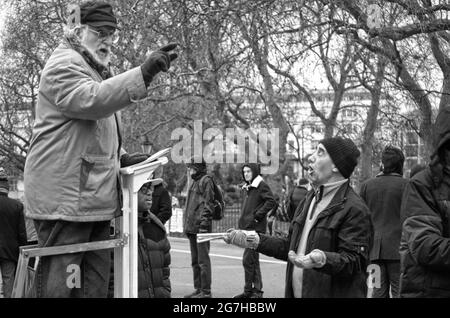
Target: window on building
[
  {"x": 317, "y": 129},
  {"x": 411, "y": 150},
  {"x": 348, "y": 113},
  {"x": 12, "y": 184},
  {"x": 412, "y": 138}
]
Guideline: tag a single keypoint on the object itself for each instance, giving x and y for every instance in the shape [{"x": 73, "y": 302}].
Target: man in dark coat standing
[
  {"x": 425, "y": 215},
  {"x": 296, "y": 196},
  {"x": 383, "y": 196},
  {"x": 12, "y": 234},
  {"x": 328, "y": 244},
  {"x": 161, "y": 203},
  {"x": 258, "y": 201},
  {"x": 198, "y": 219}
]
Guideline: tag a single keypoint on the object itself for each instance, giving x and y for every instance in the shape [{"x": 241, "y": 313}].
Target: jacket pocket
[
  {"x": 98, "y": 184},
  {"x": 440, "y": 280}
]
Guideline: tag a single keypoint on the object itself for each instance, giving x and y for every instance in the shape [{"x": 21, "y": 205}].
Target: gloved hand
[
  {"x": 241, "y": 238},
  {"x": 129, "y": 160},
  {"x": 315, "y": 259},
  {"x": 158, "y": 61}
]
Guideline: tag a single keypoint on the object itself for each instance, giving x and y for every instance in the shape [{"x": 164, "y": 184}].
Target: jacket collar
[
  {"x": 325, "y": 189},
  {"x": 393, "y": 174},
  {"x": 335, "y": 205},
  {"x": 255, "y": 183},
  {"x": 103, "y": 71}
]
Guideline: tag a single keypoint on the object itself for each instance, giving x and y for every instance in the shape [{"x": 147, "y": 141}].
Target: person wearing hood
[
  {"x": 425, "y": 216},
  {"x": 198, "y": 219},
  {"x": 153, "y": 254},
  {"x": 258, "y": 201},
  {"x": 383, "y": 196},
  {"x": 327, "y": 248}
]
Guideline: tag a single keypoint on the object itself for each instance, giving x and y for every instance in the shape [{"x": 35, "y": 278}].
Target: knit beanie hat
[
  {"x": 343, "y": 152},
  {"x": 303, "y": 181},
  {"x": 392, "y": 159}
]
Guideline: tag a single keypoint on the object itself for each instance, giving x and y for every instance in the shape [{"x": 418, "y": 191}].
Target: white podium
[
  {"x": 126, "y": 256},
  {"x": 125, "y": 243}
]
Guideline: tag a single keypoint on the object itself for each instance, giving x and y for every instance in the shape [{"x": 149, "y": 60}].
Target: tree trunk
[{"x": 371, "y": 121}]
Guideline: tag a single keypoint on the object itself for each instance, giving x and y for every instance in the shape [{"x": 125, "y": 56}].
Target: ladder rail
[
  {"x": 124, "y": 245},
  {"x": 74, "y": 248}
]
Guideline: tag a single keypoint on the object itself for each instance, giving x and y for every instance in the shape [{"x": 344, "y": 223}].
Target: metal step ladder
[{"x": 124, "y": 243}]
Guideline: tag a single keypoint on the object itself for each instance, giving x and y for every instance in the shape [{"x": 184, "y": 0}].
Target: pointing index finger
[{"x": 168, "y": 47}]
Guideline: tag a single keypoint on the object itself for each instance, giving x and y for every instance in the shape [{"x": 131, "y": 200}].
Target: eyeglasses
[{"x": 105, "y": 35}]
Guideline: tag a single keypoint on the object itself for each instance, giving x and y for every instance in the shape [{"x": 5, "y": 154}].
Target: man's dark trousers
[
  {"x": 78, "y": 275},
  {"x": 253, "y": 279},
  {"x": 8, "y": 269},
  {"x": 201, "y": 264},
  {"x": 389, "y": 277}
]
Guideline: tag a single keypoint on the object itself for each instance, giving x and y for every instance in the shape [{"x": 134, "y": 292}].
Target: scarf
[
  {"x": 104, "y": 71},
  {"x": 196, "y": 176}
]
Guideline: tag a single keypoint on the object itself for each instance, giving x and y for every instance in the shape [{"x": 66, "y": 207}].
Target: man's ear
[{"x": 78, "y": 31}]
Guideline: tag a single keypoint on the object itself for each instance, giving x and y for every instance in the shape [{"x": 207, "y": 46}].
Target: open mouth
[{"x": 103, "y": 52}]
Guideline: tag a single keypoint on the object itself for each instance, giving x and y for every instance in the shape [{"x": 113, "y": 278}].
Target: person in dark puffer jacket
[
  {"x": 425, "y": 215},
  {"x": 154, "y": 255}
]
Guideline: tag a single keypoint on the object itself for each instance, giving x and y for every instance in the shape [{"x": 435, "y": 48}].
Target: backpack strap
[{"x": 214, "y": 184}]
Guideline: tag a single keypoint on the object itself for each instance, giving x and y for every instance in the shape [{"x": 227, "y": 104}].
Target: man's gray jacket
[{"x": 72, "y": 167}]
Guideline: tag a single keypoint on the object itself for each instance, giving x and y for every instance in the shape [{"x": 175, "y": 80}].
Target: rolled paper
[{"x": 205, "y": 237}]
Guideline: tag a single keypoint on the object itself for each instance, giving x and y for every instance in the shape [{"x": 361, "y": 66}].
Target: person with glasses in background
[{"x": 72, "y": 184}]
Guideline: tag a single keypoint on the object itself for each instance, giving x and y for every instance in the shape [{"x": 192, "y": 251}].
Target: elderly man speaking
[
  {"x": 72, "y": 185},
  {"x": 330, "y": 234}
]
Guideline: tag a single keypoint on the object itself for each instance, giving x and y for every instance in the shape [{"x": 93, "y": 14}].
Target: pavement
[{"x": 227, "y": 270}]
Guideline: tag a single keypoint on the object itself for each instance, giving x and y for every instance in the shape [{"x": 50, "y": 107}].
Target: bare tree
[{"x": 415, "y": 21}]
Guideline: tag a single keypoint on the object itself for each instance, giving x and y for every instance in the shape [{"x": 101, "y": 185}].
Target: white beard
[{"x": 102, "y": 61}]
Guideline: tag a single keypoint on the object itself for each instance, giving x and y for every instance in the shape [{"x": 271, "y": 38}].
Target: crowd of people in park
[{"x": 72, "y": 191}]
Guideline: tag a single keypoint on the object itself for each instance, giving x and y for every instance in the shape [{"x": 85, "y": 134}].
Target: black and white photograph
[{"x": 225, "y": 155}]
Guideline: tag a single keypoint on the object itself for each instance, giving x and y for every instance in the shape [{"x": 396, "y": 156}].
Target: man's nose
[{"x": 108, "y": 40}]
